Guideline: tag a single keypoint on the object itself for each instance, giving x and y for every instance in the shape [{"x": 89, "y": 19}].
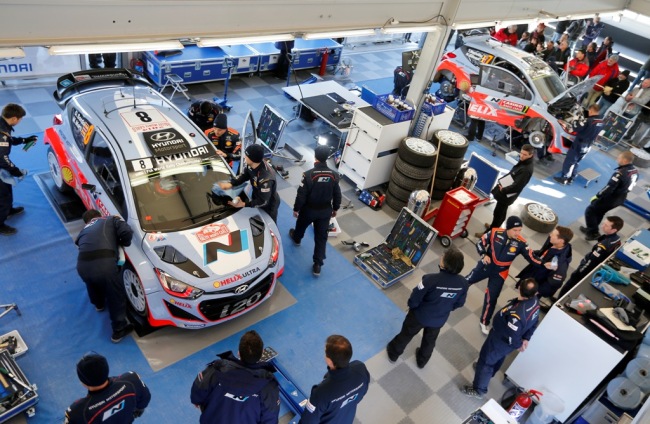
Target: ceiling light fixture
[
  {"x": 402, "y": 30},
  {"x": 12, "y": 52},
  {"x": 215, "y": 42},
  {"x": 338, "y": 34},
  {"x": 114, "y": 48}
]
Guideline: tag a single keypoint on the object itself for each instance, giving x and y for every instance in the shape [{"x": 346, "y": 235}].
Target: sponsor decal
[
  {"x": 483, "y": 109},
  {"x": 227, "y": 281},
  {"x": 448, "y": 295},
  {"x": 149, "y": 165},
  {"x": 156, "y": 237},
  {"x": 513, "y": 106},
  {"x": 350, "y": 399},
  {"x": 16, "y": 68},
  {"x": 309, "y": 407},
  {"x": 114, "y": 410},
  {"x": 82, "y": 126},
  {"x": 241, "y": 289},
  {"x": 193, "y": 325},
  {"x": 237, "y": 242},
  {"x": 67, "y": 174},
  {"x": 211, "y": 232},
  {"x": 101, "y": 207},
  {"x": 166, "y": 142},
  {"x": 179, "y": 303},
  {"x": 512, "y": 249},
  {"x": 513, "y": 326},
  {"x": 236, "y": 397}
]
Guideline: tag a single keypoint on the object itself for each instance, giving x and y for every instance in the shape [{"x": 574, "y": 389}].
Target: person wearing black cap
[
  {"x": 317, "y": 200},
  {"x": 203, "y": 113},
  {"x": 262, "y": 178},
  {"x": 225, "y": 139},
  {"x": 614, "y": 89},
  {"x": 110, "y": 400},
  {"x": 498, "y": 249},
  {"x": 238, "y": 390},
  {"x": 97, "y": 265}
]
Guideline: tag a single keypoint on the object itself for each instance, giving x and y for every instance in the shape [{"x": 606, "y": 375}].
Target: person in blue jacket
[
  {"x": 334, "y": 400},
  {"x": 430, "y": 304},
  {"x": 550, "y": 275},
  {"x": 498, "y": 249},
  {"x": 514, "y": 325},
  {"x": 238, "y": 390}
]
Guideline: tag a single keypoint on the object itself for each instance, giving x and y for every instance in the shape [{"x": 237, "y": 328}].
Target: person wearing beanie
[
  {"x": 110, "y": 400},
  {"x": 203, "y": 113},
  {"x": 225, "y": 139},
  {"x": 614, "y": 89},
  {"x": 317, "y": 200},
  {"x": 498, "y": 249},
  {"x": 262, "y": 178},
  {"x": 239, "y": 390}
]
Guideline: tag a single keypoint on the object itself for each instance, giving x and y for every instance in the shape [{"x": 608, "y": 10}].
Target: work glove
[
  {"x": 29, "y": 142},
  {"x": 333, "y": 214},
  {"x": 15, "y": 172},
  {"x": 138, "y": 413},
  {"x": 593, "y": 199}
]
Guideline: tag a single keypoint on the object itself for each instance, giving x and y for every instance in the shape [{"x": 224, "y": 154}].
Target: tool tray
[
  {"x": 412, "y": 235},
  {"x": 14, "y": 398}
]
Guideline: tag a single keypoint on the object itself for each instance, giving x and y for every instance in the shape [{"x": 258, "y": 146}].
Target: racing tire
[
  {"x": 407, "y": 183},
  {"x": 539, "y": 218},
  {"x": 56, "y": 172},
  {"x": 641, "y": 157},
  {"x": 442, "y": 184},
  {"x": 402, "y": 193},
  {"x": 393, "y": 202},
  {"x": 438, "y": 194},
  {"x": 415, "y": 172},
  {"x": 417, "y": 152},
  {"x": 451, "y": 144},
  {"x": 450, "y": 163},
  {"x": 134, "y": 290},
  {"x": 446, "y": 173}
]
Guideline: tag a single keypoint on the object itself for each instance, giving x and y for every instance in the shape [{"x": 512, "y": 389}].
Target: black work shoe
[
  {"x": 471, "y": 392},
  {"x": 16, "y": 211},
  {"x": 99, "y": 308},
  {"x": 474, "y": 364},
  {"x": 419, "y": 363},
  {"x": 549, "y": 158},
  {"x": 390, "y": 358},
  {"x": 569, "y": 181},
  {"x": 120, "y": 334},
  {"x": 6, "y": 230},
  {"x": 592, "y": 236},
  {"x": 291, "y": 233},
  {"x": 584, "y": 229},
  {"x": 316, "y": 270},
  {"x": 560, "y": 180}
]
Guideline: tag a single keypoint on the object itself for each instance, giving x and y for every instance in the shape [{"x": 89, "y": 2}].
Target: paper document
[{"x": 506, "y": 181}]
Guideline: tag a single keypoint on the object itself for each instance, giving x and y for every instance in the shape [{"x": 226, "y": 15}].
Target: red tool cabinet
[{"x": 452, "y": 216}]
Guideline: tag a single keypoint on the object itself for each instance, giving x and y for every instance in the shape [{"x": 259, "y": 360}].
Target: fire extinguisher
[
  {"x": 323, "y": 62},
  {"x": 522, "y": 402},
  {"x": 137, "y": 64}
]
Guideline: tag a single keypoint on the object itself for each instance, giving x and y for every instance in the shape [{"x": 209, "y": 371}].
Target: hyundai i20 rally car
[
  {"x": 126, "y": 150},
  {"x": 513, "y": 88}
]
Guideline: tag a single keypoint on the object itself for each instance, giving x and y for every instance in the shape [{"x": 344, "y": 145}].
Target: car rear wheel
[
  {"x": 57, "y": 172},
  {"x": 134, "y": 290}
]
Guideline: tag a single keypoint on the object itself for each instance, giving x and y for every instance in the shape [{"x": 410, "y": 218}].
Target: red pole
[{"x": 323, "y": 62}]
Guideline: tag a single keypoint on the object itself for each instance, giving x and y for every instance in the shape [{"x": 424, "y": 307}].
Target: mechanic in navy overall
[
  {"x": 238, "y": 390},
  {"x": 225, "y": 139},
  {"x": 317, "y": 200},
  {"x": 605, "y": 246},
  {"x": 262, "y": 178},
  {"x": 556, "y": 254},
  {"x": 430, "y": 304},
  {"x": 97, "y": 265},
  {"x": 203, "y": 113},
  {"x": 12, "y": 114},
  {"x": 612, "y": 195},
  {"x": 514, "y": 325},
  {"x": 334, "y": 400},
  {"x": 586, "y": 133},
  {"x": 110, "y": 400},
  {"x": 498, "y": 249}
]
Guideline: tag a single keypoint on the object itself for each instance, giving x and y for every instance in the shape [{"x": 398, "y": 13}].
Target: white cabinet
[{"x": 371, "y": 147}]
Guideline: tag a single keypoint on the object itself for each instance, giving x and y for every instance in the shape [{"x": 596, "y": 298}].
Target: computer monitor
[{"x": 270, "y": 127}]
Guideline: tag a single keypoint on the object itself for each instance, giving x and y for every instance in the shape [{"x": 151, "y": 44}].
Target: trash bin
[
  {"x": 548, "y": 407},
  {"x": 418, "y": 202}
]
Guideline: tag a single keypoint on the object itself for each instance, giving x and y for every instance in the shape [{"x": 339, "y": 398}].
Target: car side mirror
[
  {"x": 474, "y": 79},
  {"x": 89, "y": 187}
]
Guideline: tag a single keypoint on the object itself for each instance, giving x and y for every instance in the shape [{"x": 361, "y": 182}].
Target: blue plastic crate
[
  {"x": 431, "y": 109},
  {"x": 390, "y": 112},
  {"x": 368, "y": 95}
]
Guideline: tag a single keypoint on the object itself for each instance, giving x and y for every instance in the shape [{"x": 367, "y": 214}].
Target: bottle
[{"x": 554, "y": 263}]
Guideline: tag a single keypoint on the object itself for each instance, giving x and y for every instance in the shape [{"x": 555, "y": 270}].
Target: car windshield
[
  {"x": 548, "y": 83},
  {"x": 180, "y": 197}
]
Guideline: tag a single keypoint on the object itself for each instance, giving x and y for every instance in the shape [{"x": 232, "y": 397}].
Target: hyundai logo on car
[
  {"x": 166, "y": 142},
  {"x": 241, "y": 289}
]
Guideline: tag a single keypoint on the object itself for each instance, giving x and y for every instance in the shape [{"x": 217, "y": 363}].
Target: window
[
  {"x": 103, "y": 164},
  {"x": 82, "y": 129},
  {"x": 505, "y": 82}
]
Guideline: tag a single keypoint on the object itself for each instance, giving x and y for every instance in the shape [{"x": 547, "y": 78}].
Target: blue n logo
[{"x": 237, "y": 242}]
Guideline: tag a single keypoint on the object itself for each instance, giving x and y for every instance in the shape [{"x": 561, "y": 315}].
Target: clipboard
[{"x": 506, "y": 181}]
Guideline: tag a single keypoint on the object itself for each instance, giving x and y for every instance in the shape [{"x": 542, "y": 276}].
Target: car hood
[
  {"x": 577, "y": 90},
  {"x": 234, "y": 246}
]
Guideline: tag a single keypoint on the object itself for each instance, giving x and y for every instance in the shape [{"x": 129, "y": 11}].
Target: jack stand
[
  {"x": 8, "y": 308},
  {"x": 228, "y": 62}
]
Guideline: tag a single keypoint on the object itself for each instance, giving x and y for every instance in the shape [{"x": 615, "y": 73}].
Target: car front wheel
[{"x": 134, "y": 290}]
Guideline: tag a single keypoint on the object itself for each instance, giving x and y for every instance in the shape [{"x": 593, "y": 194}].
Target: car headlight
[
  {"x": 275, "y": 252},
  {"x": 176, "y": 287}
]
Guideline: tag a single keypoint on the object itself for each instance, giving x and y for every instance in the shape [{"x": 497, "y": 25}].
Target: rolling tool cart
[
  {"x": 402, "y": 251},
  {"x": 294, "y": 398},
  {"x": 452, "y": 216},
  {"x": 614, "y": 128},
  {"x": 17, "y": 394}
]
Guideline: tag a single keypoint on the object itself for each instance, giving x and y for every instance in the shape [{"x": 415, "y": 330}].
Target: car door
[
  {"x": 109, "y": 192},
  {"x": 500, "y": 96}
]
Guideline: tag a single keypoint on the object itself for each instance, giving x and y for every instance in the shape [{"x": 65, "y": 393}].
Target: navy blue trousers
[
  {"x": 493, "y": 353},
  {"x": 570, "y": 164},
  {"x": 321, "y": 220},
  {"x": 494, "y": 286},
  {"x": 105, "y": 288}
]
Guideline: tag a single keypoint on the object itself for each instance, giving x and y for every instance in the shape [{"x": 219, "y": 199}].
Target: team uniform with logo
[
  {"x": 229, "y": 143},
  {"x": 549, "y": 280},
  {"x": 335, "y": 399},
  {"x": 230, "y": 391},
  {"x": 430, "y": 304},
  {"x": 585, "y": 136},
  {"x": 502, "y": 251},
  {"x": 203, "y": 121},
  {"x": 512, "y": 325},
  {"x": 265, "y": 194},
  {"x": 121, "y": 402},
  {"x": 6, "y": 190}
]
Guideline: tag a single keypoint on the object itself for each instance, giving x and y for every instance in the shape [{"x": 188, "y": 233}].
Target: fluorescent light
[
  {"x": 338, "y": 34},
  {"x": 403, "y": 30},
  {"x": 12, "y": 52},
  {"x": 114, "y": 48},
  {"x": 215, "y": 42},
  {"x": 470, "y": 25},
  {"x": 517, "y": 22}
]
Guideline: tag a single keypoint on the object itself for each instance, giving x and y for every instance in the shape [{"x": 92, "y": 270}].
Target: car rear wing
[{"x": 79, "y": 82}]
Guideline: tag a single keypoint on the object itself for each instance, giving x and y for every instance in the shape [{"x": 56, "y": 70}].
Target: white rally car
[{"x": 126, "y": 150}]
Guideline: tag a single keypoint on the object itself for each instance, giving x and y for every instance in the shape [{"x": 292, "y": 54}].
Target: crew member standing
[
  {"x": 262, "y": 178},
  {"x": 430, "y": 304},
  {"x": 606, "y": 245},
  {"x": 99, "y": 242},
  {"x": 238, "y": 390},
  {"x": 317, "y": 200},
  {"x": 335, "y": 399},
  {"x": 498, "y": 249},
  {"x": 12, "y": 114},
  {"x": 203, "y": 113},
  {"x": 514, "y": 325},
  {"x": 110, "y": 400},
  {"x": 225, "y": 139},
  {"x": 612, "y": 195},
  {"x": 585, "y": 135}
]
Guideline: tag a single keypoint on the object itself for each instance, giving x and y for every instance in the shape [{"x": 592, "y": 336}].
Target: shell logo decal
[
  {"x": 67, "y": 174},
  {"x": 513, "y": 249}
]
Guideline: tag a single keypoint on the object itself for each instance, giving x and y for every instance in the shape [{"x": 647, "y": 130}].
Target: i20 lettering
[{"x": 240, "y": 305}]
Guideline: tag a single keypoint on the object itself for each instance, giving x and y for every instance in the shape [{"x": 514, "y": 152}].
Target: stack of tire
[
  {"x": 452, "y": 147},
  {"x": 413, "y": 170}
]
